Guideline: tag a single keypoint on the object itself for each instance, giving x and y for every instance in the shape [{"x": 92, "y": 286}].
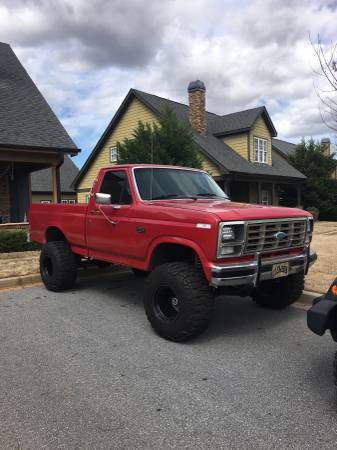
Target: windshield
[{"x": 162, "y": 183}]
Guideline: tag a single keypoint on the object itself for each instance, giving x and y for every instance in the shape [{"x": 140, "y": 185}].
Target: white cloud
[{"x": 84, "y": 56}]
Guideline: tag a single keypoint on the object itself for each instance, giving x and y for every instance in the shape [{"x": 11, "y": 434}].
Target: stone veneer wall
[{"x": 197, "y": 112}]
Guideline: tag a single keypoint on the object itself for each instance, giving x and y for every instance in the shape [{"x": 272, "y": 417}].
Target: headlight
[
  {"x": 230, "y": 239},
  {"x": 310, "y": 230},
  {"x": 228, "y": 233}
]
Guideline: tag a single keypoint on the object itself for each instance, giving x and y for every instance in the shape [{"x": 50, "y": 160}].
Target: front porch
[
  {"x": 264, "y": 191},
  {"x": 16, "y": 165}
]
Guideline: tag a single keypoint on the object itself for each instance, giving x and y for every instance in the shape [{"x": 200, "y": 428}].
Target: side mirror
[{"x": 102, "y": 199}]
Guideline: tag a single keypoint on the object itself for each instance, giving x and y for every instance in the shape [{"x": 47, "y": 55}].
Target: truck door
[{"x": 108, "y": 227}]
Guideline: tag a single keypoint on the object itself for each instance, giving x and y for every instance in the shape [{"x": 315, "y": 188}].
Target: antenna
[{"x": 151, "y": 175}]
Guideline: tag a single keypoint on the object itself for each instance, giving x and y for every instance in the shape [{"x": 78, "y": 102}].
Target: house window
[
  {"x": 64, "y": 201},
  {"x": 71, "y": 202},
  {"x": 260, "y": 150},
  {"x": 87, "y": 198},
  {"x": 113, "y": 155}
]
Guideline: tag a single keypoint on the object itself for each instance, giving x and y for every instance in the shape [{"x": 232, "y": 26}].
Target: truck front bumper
[{"x": 260, "y": 269}]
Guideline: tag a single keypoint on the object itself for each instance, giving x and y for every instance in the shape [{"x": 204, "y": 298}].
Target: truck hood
[{"x": 226, "y": 210}]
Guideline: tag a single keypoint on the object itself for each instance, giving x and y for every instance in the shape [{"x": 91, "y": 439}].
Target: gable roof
[
  {"x": 237, "y": 122},
  {"x": 284, "y": 147},
  {"x": 26, "y": 119},
  {"x": 41, "y": 181},
  {"x": 226, "y": 159}
]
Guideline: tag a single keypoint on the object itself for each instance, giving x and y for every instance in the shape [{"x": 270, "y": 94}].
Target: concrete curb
[
  {"x": 23, "y": 281},
  {"x": 27, "y": 280}
]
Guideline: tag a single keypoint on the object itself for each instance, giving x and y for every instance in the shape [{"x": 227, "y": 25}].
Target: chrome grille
[{"x": 261, "y": 236}]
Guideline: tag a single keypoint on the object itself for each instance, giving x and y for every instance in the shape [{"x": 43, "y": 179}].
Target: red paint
[{"x": 90, "y": 234}]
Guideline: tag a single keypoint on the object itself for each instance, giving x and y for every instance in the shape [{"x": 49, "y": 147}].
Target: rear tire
[
  {"x": 58, "y": 266},
  {"x": 279, "y": 293},
  {"x": 178, "y": 301}
]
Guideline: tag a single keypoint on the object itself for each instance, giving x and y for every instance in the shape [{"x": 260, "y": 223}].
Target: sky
[{"x": 85, "y": 55}]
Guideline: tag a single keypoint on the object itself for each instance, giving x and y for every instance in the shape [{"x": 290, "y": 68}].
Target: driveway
[{"x": 83, "y": 370}]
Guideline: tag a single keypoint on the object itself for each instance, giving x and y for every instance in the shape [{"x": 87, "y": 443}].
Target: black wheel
[
  {"x": 178, "y": 302},
  {"x": 140, "y": 273},
  {"x": 279, "y": 293},
  {"x": 58, "y": 266}
]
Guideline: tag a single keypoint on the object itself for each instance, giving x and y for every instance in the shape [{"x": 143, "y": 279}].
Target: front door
[{"x": 109, "y": 232}]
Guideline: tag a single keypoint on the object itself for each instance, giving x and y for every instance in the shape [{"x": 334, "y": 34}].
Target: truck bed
[{"x": 70, "y": 219}]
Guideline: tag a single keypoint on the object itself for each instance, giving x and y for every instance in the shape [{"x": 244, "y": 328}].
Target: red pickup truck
[{"x": 178, "y": 227}]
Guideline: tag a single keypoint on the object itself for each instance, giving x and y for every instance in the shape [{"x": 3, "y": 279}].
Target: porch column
[
  {"x": 56, "y": 184},
  {"x": 273, "y": 198},
  {"x": 299, "y": 200},
  {"x": 259, "y": 193}
]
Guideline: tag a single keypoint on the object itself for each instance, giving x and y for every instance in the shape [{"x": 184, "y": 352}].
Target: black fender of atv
[{"x": 323, "y": 314}]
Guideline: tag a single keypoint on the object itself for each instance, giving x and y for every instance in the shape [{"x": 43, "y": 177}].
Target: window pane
[
  {"x": 165, "y": 183},
  {"x": 113, "y": 154},
  {"x": 116, "y": 184}
]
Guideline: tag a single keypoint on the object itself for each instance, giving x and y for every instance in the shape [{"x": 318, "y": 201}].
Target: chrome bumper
[{"x": 260, "y": 269}]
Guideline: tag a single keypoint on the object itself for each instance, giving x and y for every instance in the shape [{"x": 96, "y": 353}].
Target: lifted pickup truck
[{"x": 180, "y": 229}]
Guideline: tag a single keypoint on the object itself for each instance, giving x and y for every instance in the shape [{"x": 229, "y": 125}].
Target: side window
[{"x": 116, "y": 184}]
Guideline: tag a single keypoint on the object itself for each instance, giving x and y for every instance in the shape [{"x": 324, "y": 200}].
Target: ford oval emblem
[{"x": 280, "y": 235}]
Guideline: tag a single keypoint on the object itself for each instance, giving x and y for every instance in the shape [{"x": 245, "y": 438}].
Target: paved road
[{"x": 83, "y": 370}]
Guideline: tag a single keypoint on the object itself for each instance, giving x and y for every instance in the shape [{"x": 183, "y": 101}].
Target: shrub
[
  {"x": 314, "y": 211},
  {"x": 16, "y": 241}
]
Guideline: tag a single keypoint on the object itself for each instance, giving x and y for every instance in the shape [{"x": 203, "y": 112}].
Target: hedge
[{"x": 16, "y": 241}]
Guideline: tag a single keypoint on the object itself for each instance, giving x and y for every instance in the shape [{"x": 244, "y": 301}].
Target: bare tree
[{"x": 326, "y": 83}]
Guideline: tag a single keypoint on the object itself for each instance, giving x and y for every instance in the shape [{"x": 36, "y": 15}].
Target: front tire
[
  {"x": 58, "y": 266},
  {"x": 178, "y": 302},
  {"x": 279, "y": 293}
]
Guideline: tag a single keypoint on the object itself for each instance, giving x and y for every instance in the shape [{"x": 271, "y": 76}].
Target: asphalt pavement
[{"x": 84, "y": 370}]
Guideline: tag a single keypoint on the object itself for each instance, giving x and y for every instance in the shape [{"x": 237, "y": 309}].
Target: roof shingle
[{"x": 26, "y": 119}]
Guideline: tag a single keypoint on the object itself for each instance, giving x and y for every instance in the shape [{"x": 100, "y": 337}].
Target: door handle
[{"x": 94, "y": 212}]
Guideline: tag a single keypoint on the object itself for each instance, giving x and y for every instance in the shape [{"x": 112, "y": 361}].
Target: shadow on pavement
[{"x": 233, "y": 316}]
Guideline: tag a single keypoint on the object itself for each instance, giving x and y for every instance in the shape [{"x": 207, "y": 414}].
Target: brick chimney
[
  {"x": 197, "y": 106},
  {"x": 326, "y": 146}
]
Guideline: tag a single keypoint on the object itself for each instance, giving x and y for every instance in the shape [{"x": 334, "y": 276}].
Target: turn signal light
[{"x": 334, "y": 289}]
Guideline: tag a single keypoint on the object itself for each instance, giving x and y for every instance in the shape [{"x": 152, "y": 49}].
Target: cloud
[{"x": 85, "y": 56}]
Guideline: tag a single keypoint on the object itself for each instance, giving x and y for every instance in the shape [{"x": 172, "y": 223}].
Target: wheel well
[
  {"x": 54, "y": 234},
  {"x": 164, "y": 253}
]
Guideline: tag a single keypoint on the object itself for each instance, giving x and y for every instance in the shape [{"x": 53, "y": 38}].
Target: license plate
[{"x": 280, "y": 270}]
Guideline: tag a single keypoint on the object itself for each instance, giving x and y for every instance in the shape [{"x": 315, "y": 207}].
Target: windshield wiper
[
  {"x": 168, "y": 196},
  {"x": 208, "y": 194}
]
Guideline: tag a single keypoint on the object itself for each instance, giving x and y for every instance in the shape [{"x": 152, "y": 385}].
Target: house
[
  {"x": 31, "y": 138},
  {"x": 41, "y": 183},
  {"x": 239, "y": 149}
]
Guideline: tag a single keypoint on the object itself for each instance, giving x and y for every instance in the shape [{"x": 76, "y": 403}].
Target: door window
[{"x": 116, "y": 184}]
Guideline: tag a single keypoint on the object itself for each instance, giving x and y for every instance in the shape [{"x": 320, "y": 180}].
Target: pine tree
[{"x": 168, "y": 142}]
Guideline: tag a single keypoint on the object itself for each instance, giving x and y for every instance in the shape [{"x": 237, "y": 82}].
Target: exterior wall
[
  {"x": 260, "y": 130},
  {"x": 239, "y": 143},
  {"x": 37, "y": 198},
  {"x": 4, "y": 195},
  {"x": 210, "y": 167},
  {"x": 136, "y": 112},
  {"x": 124, "y": 129}
]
